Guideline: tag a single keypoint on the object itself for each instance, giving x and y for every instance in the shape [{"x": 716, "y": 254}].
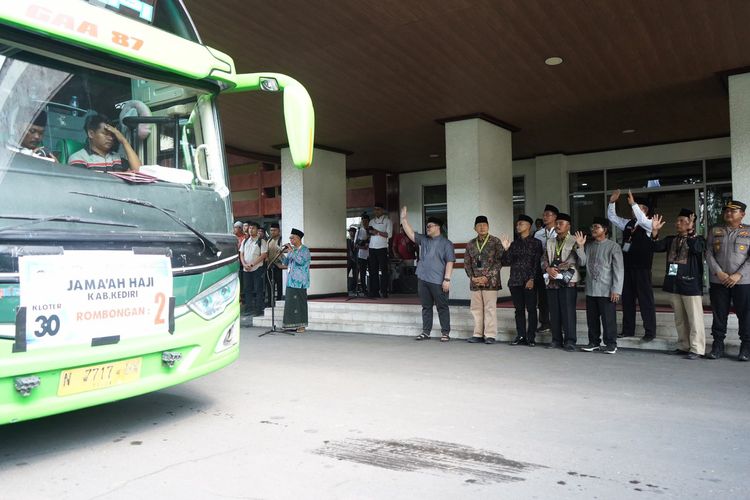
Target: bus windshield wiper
[
  {"x": 31, "y": 220},
  {"x": 133, "y": 201}
]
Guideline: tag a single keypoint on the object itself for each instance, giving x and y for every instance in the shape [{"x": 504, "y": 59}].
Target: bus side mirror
[{"x": 299, "y": 115}]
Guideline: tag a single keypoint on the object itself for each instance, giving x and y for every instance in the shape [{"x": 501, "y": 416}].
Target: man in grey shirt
[
  {"x": 604, "y": 279},
  {"x": 434, "y": 269}
]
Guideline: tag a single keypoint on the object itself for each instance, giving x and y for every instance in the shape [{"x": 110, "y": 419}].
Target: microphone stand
[{"x": 270, "y": 277}]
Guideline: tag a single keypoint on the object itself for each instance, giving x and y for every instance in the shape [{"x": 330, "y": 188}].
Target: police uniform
[{"x": 727, "y": 251}]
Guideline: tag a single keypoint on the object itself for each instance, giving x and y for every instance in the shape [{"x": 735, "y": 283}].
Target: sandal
[
  {"x": 445, "y": 338},
  {"x": 423, "y": 336}
]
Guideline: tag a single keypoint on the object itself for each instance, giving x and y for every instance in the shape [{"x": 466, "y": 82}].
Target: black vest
[{"x": 641, "y": 253}]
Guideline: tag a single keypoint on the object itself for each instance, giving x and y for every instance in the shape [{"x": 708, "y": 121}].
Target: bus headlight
[{"x": 215, "y": 299}]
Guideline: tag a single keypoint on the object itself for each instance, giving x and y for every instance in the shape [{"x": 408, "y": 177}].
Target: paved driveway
[{"x": 362, "y": 416}]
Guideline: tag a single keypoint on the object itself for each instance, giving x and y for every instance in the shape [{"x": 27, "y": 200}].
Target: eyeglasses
[
  {"x": 432, "y": 225},
  {"x": 594, "y": 227}
]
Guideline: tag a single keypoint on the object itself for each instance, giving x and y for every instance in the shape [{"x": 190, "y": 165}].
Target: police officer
[{"x": 729, "y": 274}]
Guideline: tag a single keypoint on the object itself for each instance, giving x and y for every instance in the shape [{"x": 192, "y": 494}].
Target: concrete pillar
[
  {"x": 479, "y": 178},
  {"x": 551, "y": 183},
  {"x": 314, "y": 201},
  {"x": 739, "y": 126}
]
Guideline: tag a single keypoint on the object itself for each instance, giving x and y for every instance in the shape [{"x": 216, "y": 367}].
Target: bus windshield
[{"x": 77, "y": 141}]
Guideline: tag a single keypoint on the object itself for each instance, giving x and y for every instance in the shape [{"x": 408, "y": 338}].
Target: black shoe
[
  {"x": 531, "y": 343},
  {"x": 489, "y": 340},
  {"x": 518, "y": 340},
  {"x": 591, "y": 348},
  {"x": 570, "y": 348},
  {"x": 610, "y": 349},
  {"x": 677, "y": 352},
  {"x": 648, "y": 338},
  {"x": 692, "y": 355},
  {"x": 717, "y": 350},
  {"x": 744, "y": 352},
  {"x": 623, "y": 335},
  {"x": 553, "y": 345},
  {"x": 475, "y": 340}
]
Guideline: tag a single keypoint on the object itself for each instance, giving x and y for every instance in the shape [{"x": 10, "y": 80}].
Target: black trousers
[
  {"x": 525, "y": 302},
  {"x": 278, "y": 285},
  {"x": 363, "y": 266},
  {"x": 541, "y": 295},
  {"x": 600, "y": 311},
  {"x": 721, "y": 298},
  {"x": 562, "y": 314},
  {"x": 255, "y": 291},
  {"x": 637, "y": 286},
  {"x": 242, "y": 284},
  {"x": 431, "y": 294},
  {"x": 379, "y": 263}
]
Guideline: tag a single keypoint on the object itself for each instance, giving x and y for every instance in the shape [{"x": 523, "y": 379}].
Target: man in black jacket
[{"x": 684, "y": 281}]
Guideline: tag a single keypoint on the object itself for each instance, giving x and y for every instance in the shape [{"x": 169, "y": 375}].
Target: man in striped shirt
[{"x": 99, "y": 152}]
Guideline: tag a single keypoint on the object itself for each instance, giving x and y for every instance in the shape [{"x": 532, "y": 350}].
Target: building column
[
  {"x": 479, "y": 178},
  {"x": 313, "y": 200},
  {"x": 551, "y": 183},
  {"x": 739, "y": 126}
]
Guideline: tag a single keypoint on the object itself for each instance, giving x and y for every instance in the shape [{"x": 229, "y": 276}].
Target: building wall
[
  {"x": 546, "y": 177},
  {"x": 410, "y": 191}
]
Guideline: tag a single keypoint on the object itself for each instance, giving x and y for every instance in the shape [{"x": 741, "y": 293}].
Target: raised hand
[
  {"x": 505, "y": 240},
  {"x": 615, "y": 196},
  {"x": 403, "y": 212},
  {"x": 631, "y": 198},
  {"x": 657, "y": 222},
  {"x": 580, "y": 238}
]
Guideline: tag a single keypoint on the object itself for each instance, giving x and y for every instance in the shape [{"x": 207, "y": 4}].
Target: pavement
[{"x": 352, "y": 416}]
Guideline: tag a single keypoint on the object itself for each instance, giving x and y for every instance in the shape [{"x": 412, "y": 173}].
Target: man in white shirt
[
  {"x": 638, "y": 254},
  {"x": 381, "y": 229},
  {"x": 252, "y": 256},
  {"x": 546, "y": 233}
]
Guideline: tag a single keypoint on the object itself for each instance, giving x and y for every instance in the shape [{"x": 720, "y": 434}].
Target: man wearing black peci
[
  {"x": 546, "y": 233},
  {"x": 638, "y": 255}
]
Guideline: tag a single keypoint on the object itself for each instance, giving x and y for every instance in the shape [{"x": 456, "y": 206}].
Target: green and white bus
[{"x": 116, "y": 283}]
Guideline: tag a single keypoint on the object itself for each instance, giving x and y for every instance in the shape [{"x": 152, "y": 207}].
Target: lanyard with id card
[{"x": 672, "y": 269}]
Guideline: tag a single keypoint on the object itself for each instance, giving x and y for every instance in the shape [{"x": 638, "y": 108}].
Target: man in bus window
[
  {"x": 100, "y": 150},
  {"x": 31, "y": 142}
]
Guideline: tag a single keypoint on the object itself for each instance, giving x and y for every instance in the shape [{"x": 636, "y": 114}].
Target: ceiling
[{"x": 381, "y": 73}]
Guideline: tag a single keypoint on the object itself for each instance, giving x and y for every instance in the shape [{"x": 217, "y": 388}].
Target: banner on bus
[{"x": 84, "y": 295}]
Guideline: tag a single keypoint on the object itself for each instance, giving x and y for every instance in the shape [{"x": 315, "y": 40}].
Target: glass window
[
  {"x": 586, "y": 181},
  {"x": 519, "y": 196},
  {"x": 719, "y": 170},
  {"x": 51, "y": 165},
  {"x": 583, "y": 209},
  {"x": 435, "y": 194},
  {"x": 673, "y": 174},
  {"x": 716, "y": 197}
]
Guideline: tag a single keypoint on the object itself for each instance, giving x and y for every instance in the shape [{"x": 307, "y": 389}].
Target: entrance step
[{"x": 406, "y": 320}]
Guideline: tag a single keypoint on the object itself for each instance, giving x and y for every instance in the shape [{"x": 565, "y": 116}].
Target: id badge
[
  {"x": 479, "y": 264},
  {"x": 626, "y": 247},
  {"x": 672, "y": 270}
]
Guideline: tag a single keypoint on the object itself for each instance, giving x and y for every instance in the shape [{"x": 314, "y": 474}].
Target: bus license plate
[{"x": 91, "y": 378}]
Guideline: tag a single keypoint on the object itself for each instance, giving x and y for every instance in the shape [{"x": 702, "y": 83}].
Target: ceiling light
[
  {"x": 628, "y": 131},
  {"x": 553, "y": 61}
]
